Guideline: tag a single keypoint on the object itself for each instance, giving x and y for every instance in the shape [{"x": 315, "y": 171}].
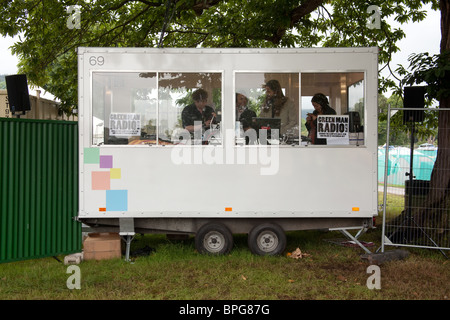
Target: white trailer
[{"x": 142, "y": 171}]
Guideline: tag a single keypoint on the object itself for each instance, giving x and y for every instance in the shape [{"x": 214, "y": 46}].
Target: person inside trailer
[
  {"x": 277, "y": 105},
  {"x": 321, "y": 107},
  {"x": 244, "y": 116},
  {"x": 198, "y": 111},
  {"x": 243, "y": 113}
]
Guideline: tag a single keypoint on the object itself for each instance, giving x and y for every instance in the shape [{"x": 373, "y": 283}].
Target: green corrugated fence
[{"x": 38, "y": 189}]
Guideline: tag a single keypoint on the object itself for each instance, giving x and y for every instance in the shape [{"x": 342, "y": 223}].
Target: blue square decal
[{"x": 116, "y": 200}]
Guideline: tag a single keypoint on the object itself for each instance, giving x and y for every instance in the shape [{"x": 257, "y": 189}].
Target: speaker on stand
[{"x": 413, "y": 97}]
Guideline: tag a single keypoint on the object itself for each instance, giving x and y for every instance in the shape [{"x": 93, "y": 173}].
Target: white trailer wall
[{"x": 229, "y": 180}]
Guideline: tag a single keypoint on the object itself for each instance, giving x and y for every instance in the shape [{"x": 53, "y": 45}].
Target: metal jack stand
[
  {"x": 354, "y": 238},
  {"x": 127, "y": 234}
]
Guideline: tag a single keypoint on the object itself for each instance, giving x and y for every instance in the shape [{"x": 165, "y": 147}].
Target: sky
[
  {"x": 423, "y": 36},
  {"x": 8, "y": 64}
]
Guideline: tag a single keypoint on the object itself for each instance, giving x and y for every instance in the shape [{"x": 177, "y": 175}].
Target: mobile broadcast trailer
[{"x": 141, "y": 171}]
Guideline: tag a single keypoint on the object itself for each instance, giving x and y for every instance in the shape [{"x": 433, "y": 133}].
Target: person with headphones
[{"x": 321, "y": 107}]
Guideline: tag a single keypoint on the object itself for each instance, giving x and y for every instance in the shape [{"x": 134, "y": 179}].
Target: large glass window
[
  {"x": 156, "y": 108},
  {"x": 267, "y": 105},
  {"x": 355, "y": 93},
  {"x": 332, "y": 108},
  {"x": 186, "y": 107},
  {"x": 124, "y": 107},
  {"x": 190, "y": 107}
]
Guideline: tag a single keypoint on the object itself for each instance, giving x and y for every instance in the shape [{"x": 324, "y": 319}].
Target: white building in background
[{"x": 43, "y": 106}]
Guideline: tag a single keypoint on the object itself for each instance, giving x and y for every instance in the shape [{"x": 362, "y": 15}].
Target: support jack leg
[
  {"x": 127, "y": 238},
  {"x": 355, "y": 238}
]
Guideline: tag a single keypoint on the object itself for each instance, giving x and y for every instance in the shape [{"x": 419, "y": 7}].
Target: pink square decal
[{"x": 100, "y": 180}]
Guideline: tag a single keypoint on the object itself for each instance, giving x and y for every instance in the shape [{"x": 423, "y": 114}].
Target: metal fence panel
[
  {"x": 412, "y": 216},
  {"x": 38, "y": 189}
]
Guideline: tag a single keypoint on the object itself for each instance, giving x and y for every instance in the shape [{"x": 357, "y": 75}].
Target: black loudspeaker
[
  {"x": 354, "y": 121},
  {"x": 18, "y": 97},
  {"x": 414, "y": 97}
]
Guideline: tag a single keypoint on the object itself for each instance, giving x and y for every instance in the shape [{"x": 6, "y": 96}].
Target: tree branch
[
  {"x": 296, "y": 15},
  {"x": 148, "y": 3},
  {"x": 203, "y": 5},
  {"x": 306, "y": 8}
]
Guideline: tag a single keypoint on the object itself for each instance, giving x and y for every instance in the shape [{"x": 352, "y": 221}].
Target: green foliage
[
  {"x": 398, "y": 135},
  {"x": 430, "y": 71},
  {"x": 434, "y": 71},
  {"x": 2, "y": 81},
  {"x": 47, "y": 46},
  {"x": 399, "y": 132}
]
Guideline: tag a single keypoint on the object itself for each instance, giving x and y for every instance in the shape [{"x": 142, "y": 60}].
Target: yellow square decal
[{"x": 115, "y": 173}]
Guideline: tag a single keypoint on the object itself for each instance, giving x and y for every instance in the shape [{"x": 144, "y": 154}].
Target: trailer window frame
[
  {"x": 356, "y": 139},
  {"x": 290, "y": 88},
  {"x": 231, "y": 107},
  {"x": 98, "y": 139}
]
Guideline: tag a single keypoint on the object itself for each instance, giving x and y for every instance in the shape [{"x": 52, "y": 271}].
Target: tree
[
  {"x": 2, "y": 81},
  {"x": 48, "y": 38}
]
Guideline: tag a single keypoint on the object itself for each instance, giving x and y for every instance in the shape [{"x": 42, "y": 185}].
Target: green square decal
[{"x": 91, "y": 155}]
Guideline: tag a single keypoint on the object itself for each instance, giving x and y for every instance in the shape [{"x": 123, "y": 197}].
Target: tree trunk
[
  {"x": 440, "y": 177},
  {"x": 445, "y": 24}
]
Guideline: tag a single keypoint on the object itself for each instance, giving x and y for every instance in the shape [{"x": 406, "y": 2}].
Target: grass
[
  {"x": 176, "y": 271},
  {"x": 395, "y": 204}
]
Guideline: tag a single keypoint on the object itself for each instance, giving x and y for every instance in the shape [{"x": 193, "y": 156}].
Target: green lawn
[{"x": 176, "y": 271}]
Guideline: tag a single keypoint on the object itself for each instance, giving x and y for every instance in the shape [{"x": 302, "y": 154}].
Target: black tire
[
  {"x": 267, "y": 239},
  {"x": 214, "y": 238}
]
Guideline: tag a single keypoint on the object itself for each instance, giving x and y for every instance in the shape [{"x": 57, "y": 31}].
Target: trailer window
[
  {"x": 342, "y": 122},
  {"x": 180, "y": 97},
  {"x": 266, "y": 104},
  {"x": 124, "y": 107},
  {"x": 135, "y": 108}
]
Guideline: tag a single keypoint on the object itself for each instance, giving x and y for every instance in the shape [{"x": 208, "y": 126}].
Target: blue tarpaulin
[{"x": 399, "y": 164}]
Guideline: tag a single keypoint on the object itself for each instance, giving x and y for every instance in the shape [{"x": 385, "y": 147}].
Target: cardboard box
[{"x": 101, "y": 246}]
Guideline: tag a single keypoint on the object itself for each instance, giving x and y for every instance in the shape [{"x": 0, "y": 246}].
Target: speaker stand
[{"x": 13, "y": 112}]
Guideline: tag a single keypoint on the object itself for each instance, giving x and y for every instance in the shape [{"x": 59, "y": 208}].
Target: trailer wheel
[
  {"x": 267, "y": 239},
  {"x": 213, "y": 238}
]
